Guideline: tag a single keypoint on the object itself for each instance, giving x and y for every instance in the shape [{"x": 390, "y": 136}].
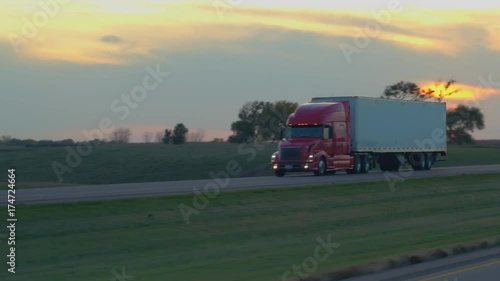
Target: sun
[{"x": 454, "y": 91}]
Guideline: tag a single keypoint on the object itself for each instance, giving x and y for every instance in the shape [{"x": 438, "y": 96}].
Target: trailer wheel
[
  {"x": 383, "y": 167},
  {"x": 280, "y": 173},
  {"x": 395, "y": 167},
  {"x": 365, "y": 164},
  {"x": 428, "y": 161},
  {"x": 321, "y": 167},
  {"x": 389, "y": 163},
  {"x": 417, "y": 161}
]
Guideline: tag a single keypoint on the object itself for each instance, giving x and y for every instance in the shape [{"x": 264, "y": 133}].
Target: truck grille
[{"x": 290, "y": 154}]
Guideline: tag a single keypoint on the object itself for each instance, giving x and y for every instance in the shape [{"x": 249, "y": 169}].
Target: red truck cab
[{"x": 316, "y": 138}]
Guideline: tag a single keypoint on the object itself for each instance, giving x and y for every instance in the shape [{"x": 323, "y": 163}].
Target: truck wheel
[
  {"x": 356, "y": 169},
  {"x": 428, "y": 161},
  {"x": 279, "y": 173},
  {"x": 418, "y": 161},
  {"x": 321, "y": 167},
  {"x": 365, "y": 164}
]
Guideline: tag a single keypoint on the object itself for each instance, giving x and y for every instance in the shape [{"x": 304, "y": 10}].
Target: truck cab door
[
  {"x": 340, "y": 139},
  {"x": 329, "y": 144}
]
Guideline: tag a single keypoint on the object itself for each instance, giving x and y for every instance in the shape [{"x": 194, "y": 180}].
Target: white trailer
[{"x": 395, "y": 132}]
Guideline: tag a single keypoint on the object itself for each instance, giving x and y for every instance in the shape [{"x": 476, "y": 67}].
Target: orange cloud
[
  {"x": 465, "y": 92},
  {"x": 73, "y": 33},
  {"x": 494, "y": 37}
]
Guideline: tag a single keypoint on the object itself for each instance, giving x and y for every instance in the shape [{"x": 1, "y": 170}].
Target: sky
[{"x": 76, "y": 68}]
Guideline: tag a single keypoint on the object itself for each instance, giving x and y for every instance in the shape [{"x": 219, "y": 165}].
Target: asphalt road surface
[
  {"x": 137, "y": 190},
  {"x": 481, "y": 265}
]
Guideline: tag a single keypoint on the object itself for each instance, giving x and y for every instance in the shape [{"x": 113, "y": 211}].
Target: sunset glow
[
  {"x": 73, "y": 33},
  {"x": 75, "y": 57},
  {"x": 464, "y": 92}
]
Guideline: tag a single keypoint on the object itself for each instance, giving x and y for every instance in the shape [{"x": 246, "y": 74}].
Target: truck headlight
[
  {"x": 274, "y": 157},
  {"x": 310, "y": 158}
]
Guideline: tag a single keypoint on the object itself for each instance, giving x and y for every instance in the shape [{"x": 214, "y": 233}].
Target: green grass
[
  {"x": 158, "y": 162},
  {"x": 136, "y": 162},
  {"x": 253, "y": 235},
  {"x": 471, "y": 156}
]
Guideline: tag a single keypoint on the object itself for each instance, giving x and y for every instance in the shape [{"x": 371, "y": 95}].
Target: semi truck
[{"x": 357, "y": 134}]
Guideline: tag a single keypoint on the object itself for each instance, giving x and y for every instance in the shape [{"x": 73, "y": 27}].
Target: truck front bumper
[{"x": 295, "y": 167}]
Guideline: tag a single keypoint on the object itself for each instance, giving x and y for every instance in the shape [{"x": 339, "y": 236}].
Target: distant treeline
[{"x": 42, "y": 143}]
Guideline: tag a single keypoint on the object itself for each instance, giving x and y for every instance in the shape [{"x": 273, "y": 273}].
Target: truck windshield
[{"x": 303, "y": 132}]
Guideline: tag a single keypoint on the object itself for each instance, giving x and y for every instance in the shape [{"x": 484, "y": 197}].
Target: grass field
[
  {"x": 254, "y": 235},
  {"x": 157, "y": 162}
]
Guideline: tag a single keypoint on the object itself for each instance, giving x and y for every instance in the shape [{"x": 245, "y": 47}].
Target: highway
[
  {"x": 481, "y": 265},
  {"x": 223, "y": 184}
]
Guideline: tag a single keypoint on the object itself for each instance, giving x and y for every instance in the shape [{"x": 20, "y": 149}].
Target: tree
[
  {"x": 260, "y": 120},
  {"x": 405, "y": 91},
  {"x": 167, "y": 137},
  {"x": 197, "y": 136},
  {"x": 15, "y": 142},
  {"x": 411, "y": 91},
  {"x": 272, "y": 117},
  {"x": 66, "y": 142},
  {"x": 441, "y": 90},
  {"x": 179, "y": 134},
  {"x": 96, "y": 142},
  {"x": 245, "y": 129},
  {"x": 147, "y": 137},
  {"x": 159, "y": 137},
  {"x": 121, "y": 135},
  {"x": 6, "y": 139},
  {"x": 30, "y": 142},
  {"x": 462, "y": 121}
]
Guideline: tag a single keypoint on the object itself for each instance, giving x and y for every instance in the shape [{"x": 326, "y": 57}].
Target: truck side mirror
[
  {"x": 327, "y": 133},
  {"x": 281, "y": 130}
]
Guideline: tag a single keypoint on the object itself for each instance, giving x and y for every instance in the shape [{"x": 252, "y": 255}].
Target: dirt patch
[{"x": 403, "y": 260}]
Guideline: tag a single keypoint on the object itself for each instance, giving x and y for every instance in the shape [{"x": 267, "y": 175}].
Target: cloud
[
  {"x": 196, "y": 26},
  {"x": 112, "y": 39},
  {"x": 494, "y": 37},
  {"x": 470, "y": 94}
]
